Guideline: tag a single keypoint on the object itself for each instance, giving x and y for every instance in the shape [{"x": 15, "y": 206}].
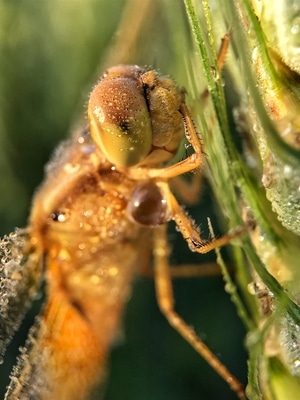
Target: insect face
[{"x": 134, "y": 116}]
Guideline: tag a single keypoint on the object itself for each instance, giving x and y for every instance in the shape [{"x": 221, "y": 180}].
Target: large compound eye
[
  {"x": 148, "y": 206},
  {"x": 119, "y": 119}
]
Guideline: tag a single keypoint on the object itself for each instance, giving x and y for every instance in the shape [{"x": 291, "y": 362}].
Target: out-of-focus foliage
[{"x": 255, "y": 175}]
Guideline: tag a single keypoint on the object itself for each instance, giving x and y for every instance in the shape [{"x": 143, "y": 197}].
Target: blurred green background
[{"x": 51, "y": 53}]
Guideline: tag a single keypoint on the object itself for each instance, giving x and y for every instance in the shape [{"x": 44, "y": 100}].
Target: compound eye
[
  {"x": 119, "y": 120},
  {"x": 147, "y": 205}
]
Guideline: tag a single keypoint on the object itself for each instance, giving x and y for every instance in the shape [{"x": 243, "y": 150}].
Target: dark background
[{"x": 51, "y": 54}]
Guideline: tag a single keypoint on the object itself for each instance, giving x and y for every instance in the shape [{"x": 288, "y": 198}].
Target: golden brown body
[{"x": 92, "y": 252}]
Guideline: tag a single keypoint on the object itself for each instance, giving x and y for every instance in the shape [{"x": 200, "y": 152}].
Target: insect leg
[
  {"x": 192, "y": 235},
  {"x": 195, "y": 160},
  {"x": 165, "y": 298}
]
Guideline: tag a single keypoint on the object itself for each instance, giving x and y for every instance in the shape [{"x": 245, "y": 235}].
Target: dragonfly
[{"x": 98, "y": 218}]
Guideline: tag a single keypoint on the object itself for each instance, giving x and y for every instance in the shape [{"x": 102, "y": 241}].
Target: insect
[{"x": 101, "y": 212}]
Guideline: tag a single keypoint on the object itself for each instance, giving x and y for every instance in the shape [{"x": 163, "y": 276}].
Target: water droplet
[
  {"x": 113, "y": 271},
  {"x": 295, "y": 28},
  {"x": 71, "y": 168},
  {"x": 287, "y": 170},
  {"x": 95, "y": 279}
]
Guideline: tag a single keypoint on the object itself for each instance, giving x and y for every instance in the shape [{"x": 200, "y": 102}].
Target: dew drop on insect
[
  {"x": 71, "y": 168},
  {"x": 295, "y": 28},
  {"x": 297, "y": 363},
  {"x": 95, "y": 279},
  {"x": 287, "y": 170}
]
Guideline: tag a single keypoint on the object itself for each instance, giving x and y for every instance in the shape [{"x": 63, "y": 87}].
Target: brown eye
[
  {"x": 119, "y": 117},
  {"x": 147, "y": 205}
]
